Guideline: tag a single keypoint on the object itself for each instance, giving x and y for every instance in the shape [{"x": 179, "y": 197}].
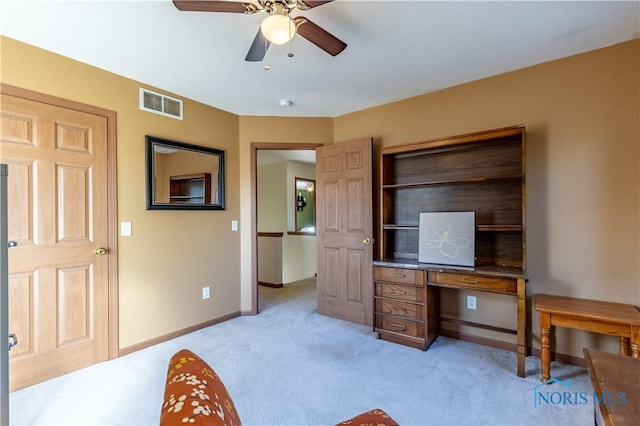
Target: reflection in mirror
[
  {"x": 182, "y": 176},
  {"x": 305, "y": 202}
]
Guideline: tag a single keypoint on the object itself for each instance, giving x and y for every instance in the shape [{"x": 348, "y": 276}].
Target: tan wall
[
  {"x": 171, "y": 254},
  {"x": 270, "y": 260},
  {"x": 299, "y": 251},
  {"x": 272, "y": 197},
  {"x": 582, "y": 119},
  {"x": 161, "y": 178},
  {"x": 271, "y": 216}
]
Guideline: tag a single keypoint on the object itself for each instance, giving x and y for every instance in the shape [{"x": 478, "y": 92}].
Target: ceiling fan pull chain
[{"x": 290, "y": 54}]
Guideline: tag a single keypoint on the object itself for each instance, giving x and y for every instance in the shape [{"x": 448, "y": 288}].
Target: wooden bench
[{"x": 617, "y": 319}]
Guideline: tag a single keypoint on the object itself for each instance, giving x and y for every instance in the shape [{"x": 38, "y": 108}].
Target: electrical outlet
[
  {"x": 471, "y": 302},
  {"x": 206, "y": 293}
]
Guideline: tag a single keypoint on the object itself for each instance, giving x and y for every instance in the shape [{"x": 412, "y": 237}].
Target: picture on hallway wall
[{"x": 447, "y": 238}]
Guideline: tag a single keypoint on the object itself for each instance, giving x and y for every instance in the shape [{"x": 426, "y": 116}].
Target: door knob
[
  {"x": 100, "y": 251},
  {"x": 366, "y": 241}
]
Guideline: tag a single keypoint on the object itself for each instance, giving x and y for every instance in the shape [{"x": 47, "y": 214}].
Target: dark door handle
[
  {"x": 13, "y": 340},
  {"x": 12, "y": 244}
]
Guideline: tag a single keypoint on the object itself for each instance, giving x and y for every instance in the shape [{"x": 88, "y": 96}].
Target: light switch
[
  {"x": 234, "y": 225},
  {"x": 125, "y": 229}
]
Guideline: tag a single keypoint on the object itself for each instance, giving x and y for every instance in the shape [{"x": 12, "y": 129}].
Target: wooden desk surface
[
  {"x": 611, "y": 312},
  {"x": 610, "y": 375}
]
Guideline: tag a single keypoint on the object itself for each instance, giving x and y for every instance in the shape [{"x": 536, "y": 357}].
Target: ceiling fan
[{"x": 278, "y": 28}]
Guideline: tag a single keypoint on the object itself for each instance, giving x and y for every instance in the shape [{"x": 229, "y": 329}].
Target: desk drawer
[
  {"x": 400, "y": 309},
  {"x": 400, "y": 292},
  {"x": 398, "y": 325},
  {"x": 397, "y": 275},
  {"x": 497, "y": 284}
]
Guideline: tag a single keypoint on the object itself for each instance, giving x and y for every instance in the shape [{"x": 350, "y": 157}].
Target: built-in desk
[
  {"x": 481, "y": 172},
  {"x": 407, "y": 300}
]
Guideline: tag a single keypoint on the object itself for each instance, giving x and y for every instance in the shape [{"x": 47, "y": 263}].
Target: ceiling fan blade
[
  {"x": 310, "y": 4},
  {"x": 258, "y": 48},
  {"x": 318, "y": 36},
  {"x": 214, "y": 6}
]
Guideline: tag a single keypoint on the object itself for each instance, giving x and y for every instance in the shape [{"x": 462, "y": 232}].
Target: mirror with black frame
[
  {"x": 305, "y": 204},
  {"x": 182, "y": 176}
]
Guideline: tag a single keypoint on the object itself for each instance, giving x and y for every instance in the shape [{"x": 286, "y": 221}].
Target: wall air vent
[{"x": 160, "y": 104}]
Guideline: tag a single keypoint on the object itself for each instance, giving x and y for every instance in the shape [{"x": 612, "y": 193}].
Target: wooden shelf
[
  {"x": 455, "y": 142},
  {"x": 479, "y": 228},
  {"x": 394, "y": 227},
  {"x": 499, "y": 228},
  {"x": 512, "y": 179},
  {"x": 482, "y": 172},
  {"x": 192, "y": 189}
]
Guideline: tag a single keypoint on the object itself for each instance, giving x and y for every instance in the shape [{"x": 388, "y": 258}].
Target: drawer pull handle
[
  {"x": 399, "y": 327},
  {"x": 397, "y": 292},
  {"x": 397, "y": 275},
  {"x": 399, "y": 311},
  {"x": 470, "y": 280}
]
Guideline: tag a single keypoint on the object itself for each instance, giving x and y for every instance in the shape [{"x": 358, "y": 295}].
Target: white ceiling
[{"x": 396, "y": 49}]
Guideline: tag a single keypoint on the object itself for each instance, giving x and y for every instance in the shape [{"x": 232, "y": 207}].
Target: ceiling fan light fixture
[{"x": 278, "y": 28}]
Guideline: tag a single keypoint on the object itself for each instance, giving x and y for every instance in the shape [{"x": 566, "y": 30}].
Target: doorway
[{"x": 273, "y": 148}]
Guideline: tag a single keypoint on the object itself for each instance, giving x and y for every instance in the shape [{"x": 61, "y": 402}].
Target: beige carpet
[{"x": 291, "y": 366}]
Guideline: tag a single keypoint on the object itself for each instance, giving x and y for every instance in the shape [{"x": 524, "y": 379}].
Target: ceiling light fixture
[{"x": 278, "y": 27}]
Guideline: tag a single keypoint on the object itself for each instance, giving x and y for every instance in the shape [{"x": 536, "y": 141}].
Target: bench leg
[
  {"x": 522, "y": 327},
  {"x": 635, "y": 341},
  {"x": 545, "y": 346},
  {"x": 623, "y": 343}
]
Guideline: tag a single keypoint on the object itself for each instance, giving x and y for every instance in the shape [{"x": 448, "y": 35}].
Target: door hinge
[{"x": 13, "y": 340}]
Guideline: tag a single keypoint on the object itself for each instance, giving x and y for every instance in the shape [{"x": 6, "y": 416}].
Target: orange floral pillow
[
  {"x": 375, "y": 417},
  {"x": 194, "y": 394}
]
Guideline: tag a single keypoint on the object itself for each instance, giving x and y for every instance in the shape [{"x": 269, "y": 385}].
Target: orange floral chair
[{"x": 194, "y": 394}]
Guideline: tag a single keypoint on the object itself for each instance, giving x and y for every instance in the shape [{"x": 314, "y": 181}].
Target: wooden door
[
  {"x": 344, "y": 230},
  {"x": 57, "y": 213}
]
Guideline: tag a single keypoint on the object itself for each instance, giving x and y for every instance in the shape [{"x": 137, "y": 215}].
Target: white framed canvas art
[{"x": 447, "y": 238}]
